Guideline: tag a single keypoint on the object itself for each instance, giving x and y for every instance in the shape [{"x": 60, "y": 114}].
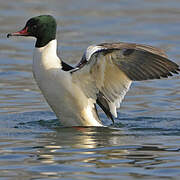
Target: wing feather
[{"x": 111, "y": 67}]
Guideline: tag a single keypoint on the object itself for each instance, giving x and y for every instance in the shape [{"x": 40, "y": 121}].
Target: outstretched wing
[{"x": 107, "y": 70}]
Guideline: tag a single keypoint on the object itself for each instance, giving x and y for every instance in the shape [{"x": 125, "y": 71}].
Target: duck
[{"x": 101, "y": 78}]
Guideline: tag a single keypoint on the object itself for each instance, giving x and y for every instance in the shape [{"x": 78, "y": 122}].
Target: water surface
[{"x": 143, "y": 144}]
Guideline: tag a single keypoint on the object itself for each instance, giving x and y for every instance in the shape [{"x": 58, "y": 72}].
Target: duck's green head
[{"x": 43, "y": 28}]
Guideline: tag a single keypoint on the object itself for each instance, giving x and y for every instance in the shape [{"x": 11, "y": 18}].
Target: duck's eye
[{"x": 34, "y": 27}]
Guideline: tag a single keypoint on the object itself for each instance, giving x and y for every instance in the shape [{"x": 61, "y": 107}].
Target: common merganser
[{"x": 103, "y": 76}]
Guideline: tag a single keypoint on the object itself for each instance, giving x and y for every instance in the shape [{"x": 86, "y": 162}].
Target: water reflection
[
  {"x": 43, "y": 149},
  {"x": 94, "y": 153}
]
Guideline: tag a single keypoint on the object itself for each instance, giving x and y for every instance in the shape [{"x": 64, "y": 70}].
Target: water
[{"x": 145, "y": 141}]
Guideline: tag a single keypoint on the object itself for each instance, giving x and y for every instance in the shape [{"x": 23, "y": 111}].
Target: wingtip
[{"x": 175, "y": 71}]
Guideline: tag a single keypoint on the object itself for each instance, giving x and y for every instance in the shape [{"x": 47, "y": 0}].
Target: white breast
[{"x": 66, "y": 99}]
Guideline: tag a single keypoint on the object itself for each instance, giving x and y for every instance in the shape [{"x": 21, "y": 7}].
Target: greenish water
[{"x": 145, "y": 141}]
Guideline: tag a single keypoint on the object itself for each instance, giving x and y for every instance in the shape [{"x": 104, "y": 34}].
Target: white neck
[
  {"x": 45, "y": 62},
  {"x": 47, "y": 56}
]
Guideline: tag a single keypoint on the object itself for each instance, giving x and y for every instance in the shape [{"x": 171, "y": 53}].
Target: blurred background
[{"x": 145, "y": 142}]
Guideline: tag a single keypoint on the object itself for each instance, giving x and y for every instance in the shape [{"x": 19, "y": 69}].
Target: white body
[{"x": 66, "y": 99}]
